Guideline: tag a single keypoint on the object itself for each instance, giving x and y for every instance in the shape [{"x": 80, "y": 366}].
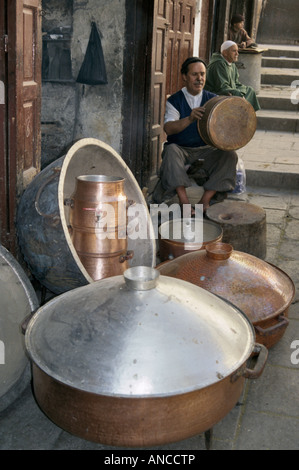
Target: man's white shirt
[{"x": 172, "y": 114}]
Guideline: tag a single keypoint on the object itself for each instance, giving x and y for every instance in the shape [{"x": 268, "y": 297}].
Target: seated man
[
  {"x": 184, "y": 145},
  {"x": 223, "y": 75},
  {"x": 238, "y": 34}
]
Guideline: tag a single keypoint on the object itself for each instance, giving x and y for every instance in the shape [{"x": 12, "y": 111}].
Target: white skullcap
[{"x": 227, "y": 45}]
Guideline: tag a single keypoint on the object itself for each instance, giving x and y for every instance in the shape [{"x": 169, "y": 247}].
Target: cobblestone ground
[{"x": 267, "y": 415}]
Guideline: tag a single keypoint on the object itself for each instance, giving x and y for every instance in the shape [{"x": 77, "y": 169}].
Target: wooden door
[
  {"x": 180, "y": 41},
  {"x": 20, "y": 73},
  {"x": 159, "y": 37},
  {"x": 173, "y": 36},
  {"x": 158, "y": 86}
]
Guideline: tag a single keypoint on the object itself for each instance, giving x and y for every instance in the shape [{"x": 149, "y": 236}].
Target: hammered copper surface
[
  {"x": 262, "y": 291},
  {"x": 229, "y": 122},
  {"x": 98, "y": 224},
  {"x": 134, "y": 422}
]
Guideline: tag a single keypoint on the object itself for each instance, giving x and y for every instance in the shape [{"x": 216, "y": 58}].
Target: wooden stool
[{"x": 243, "y": 225}]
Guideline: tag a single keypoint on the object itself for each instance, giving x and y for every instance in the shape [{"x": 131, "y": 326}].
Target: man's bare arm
[{"x": 175, "y": 127}]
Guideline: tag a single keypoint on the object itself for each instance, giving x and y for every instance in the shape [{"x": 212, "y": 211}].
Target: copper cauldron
[
  {"x": 262, "y": 291},
  {"x": 174, "y": 240},
  {"x": 140, "y": 359},
  {"x": 229, "y": 122},
  {"x": 98, "y": 219}
]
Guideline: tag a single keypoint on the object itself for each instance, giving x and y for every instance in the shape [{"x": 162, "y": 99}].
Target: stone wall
[
  {"x": 71, "y": 111},
  {"x": 279, "y": 23}
]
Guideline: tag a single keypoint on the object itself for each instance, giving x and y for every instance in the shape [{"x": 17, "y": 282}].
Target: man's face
[
  {"x": 195, "y": 78},
  {"x": 231, "y": 54},
  {"x": 238, "y": 26}
]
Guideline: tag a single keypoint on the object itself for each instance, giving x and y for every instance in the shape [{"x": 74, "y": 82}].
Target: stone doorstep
[
  {"x": 273, "y": 76},
  {"x": 282, "y": 51},
  {"x": 272, "y": 179},
  {"x": 274, "y": 120},
  {"x": 281, "y": 62},
  {"x": 282, "y": 98},
  {"x": 271, "y": 102}
]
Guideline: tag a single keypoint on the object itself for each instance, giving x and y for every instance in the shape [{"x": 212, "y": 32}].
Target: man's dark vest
[{"x": 189, "y": 137}]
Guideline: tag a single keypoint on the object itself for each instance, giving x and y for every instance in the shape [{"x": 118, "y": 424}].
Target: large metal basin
[{"x": 140, "y": 359}]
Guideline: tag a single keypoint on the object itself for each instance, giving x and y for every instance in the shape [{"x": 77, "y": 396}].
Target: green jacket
[{"x": 222, "y": 78}]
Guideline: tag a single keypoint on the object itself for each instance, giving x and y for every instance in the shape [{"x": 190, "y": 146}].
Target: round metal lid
[
  {"x": 190, "y": 230},
  {"x": 139, "y": 335}
]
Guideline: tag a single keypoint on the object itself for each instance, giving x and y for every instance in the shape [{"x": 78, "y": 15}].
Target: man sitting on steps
[{"x": 223, "y": 75}]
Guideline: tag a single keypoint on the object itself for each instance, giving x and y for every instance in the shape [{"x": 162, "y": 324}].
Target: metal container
[
  {"x": 262, "y": 291},
  {"x": 229, "y": 122},
  {"x": 43, "y": 216},
  {"x": 177, "y": 237},
  {"x": 18, "y": 300},
  {"x": 139, "y": 359},
  {"x": 98, "y": 220}
]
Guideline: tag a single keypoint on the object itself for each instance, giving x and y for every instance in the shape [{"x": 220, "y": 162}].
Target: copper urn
[{"x": 98, "y": 220}]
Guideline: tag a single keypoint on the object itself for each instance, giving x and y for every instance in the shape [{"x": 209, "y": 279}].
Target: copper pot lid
[
  {"x": 261, "y": 290},
  {"x": 224, "y": 114},
  {"x": 139, "y": 335}
]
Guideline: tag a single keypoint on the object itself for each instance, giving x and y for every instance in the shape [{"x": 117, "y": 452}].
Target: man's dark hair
[{"x": 190, "y": 60}]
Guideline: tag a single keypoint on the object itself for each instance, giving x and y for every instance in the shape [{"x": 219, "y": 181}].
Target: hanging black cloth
[{"x": 93, "y": 70}]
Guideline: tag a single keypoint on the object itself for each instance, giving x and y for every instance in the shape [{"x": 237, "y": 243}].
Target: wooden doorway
[
  {"x": 173, "y": 36},
  {"x": 159, "y": 37},
  {"x": 20, "y": 82},
  {"x": 180, "y": 41}
]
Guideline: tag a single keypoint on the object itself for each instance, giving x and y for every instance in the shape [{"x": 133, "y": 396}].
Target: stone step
[
  {"x": 281, "y": 62},
  {"x": 276, "y": 120},
  {"x": 277, "y": 76},
  {"x": 272, "y": 159},
  {"x": 279, "y": 98},
  {"x": 282, "y": 51},
  {"x": 276, "y": 178}
]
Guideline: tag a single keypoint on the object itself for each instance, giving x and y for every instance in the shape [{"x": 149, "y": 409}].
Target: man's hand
[
  {"x": 197, "y": 114},
  {"x": 174, "y": 127}
]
